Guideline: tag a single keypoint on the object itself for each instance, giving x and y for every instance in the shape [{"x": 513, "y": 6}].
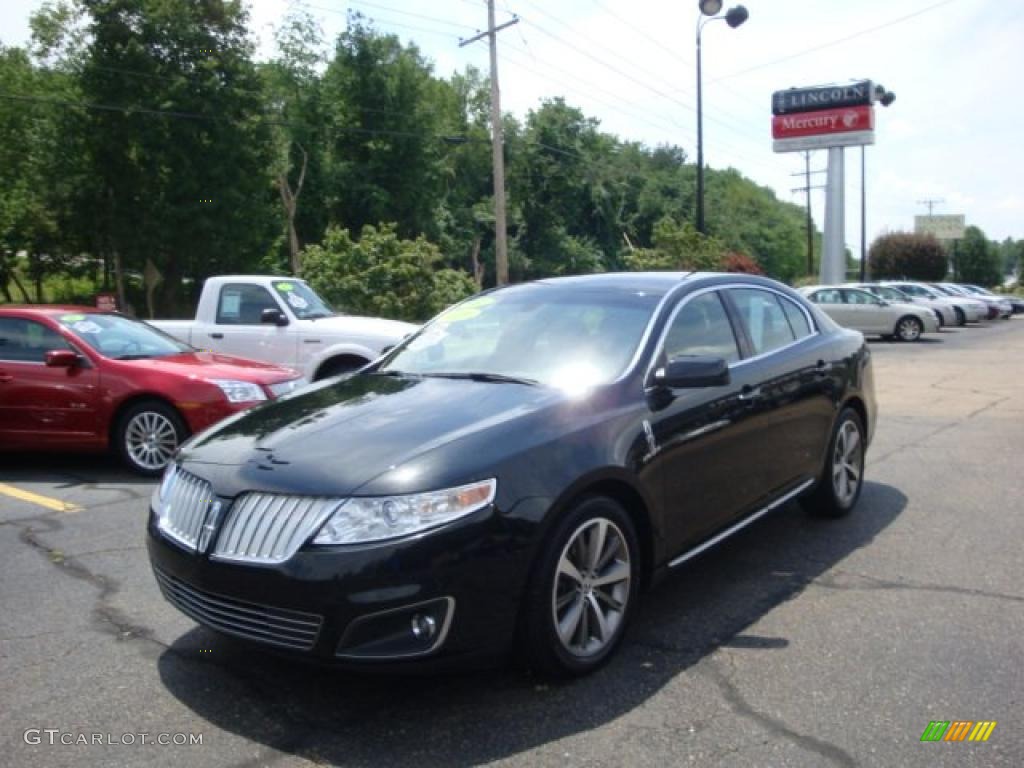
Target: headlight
[
  {"x": 361, "y": 520},
  {"x": 163, "y": 490},
  {"x": 240, "y": 391},
  {"x": 286, "y": 387}
]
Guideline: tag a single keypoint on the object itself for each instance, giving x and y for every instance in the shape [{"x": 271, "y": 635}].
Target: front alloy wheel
[
  {"x": 909, "y": 329},
  {"x": 581, "y": 595},
  {"x": 591, "y": 589},
  {"x": 147, "y": 435}
]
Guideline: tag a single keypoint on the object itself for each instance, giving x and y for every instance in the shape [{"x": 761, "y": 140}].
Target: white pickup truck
[{"x": 282, "y": 320}]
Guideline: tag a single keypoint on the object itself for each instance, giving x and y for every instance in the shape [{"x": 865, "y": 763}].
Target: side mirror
[
  {"x": 693, "y": 372},
  {"x": 273, "y": 317},
  {"x": 61, "y": 358}
]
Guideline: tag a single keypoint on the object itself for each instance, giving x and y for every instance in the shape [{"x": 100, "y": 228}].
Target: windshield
[
  {"x": 302, "y": 300},
  {"x": 891, "y": 294},
  {"x": 120, "y": 337},
  {"x": 942, "y": 290},
  {"x": 558, "y": 336},
  {"x": 917, "y": 290}
]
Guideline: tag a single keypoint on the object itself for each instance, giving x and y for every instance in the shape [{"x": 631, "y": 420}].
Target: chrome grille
[
  {"x": 185, "y": 507},
  {"x": 276, "y": 626},
  {"x": 267, "y": 528}
]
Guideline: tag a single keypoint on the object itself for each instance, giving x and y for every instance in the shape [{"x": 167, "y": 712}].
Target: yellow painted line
[{"x": 43, "y": 501}]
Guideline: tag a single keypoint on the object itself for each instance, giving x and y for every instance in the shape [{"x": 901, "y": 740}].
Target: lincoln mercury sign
[
  {"x": 823, "y": 97},
  {"x": 817, "y": 118}
]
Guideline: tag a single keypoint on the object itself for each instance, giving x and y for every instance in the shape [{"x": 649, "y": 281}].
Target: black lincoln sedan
[{"x": 509, "y": 477}]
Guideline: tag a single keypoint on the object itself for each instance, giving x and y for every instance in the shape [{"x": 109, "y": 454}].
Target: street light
[{"x": 733, "y": 17}]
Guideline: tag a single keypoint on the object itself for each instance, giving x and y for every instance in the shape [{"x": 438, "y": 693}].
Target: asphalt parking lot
[{"x": 797, "y": 643}]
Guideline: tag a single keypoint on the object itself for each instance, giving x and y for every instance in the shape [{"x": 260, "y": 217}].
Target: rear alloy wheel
[
  {"x": 582, "y": 596},
  {"x": 840, "y": 484},
  {"x": 147, "y": 435},
  {"x": 909, "y": 328}
]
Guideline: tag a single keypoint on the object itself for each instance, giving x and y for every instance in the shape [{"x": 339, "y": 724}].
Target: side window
[
  {"x": 701, "y": 327},
  {"x": 26, "y": 341},
  {"x": 798, "y": 322},
  {"x": 830, "y": 296},
  {"x": 243, "y": 304},
  {"x": 859, "y": 297},
  {"x": 763, "y": 318}
]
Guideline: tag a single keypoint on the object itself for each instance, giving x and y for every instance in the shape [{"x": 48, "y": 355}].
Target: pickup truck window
[
  {"x": 302, "y": 300},
  {"x": 242, "y": 304}
]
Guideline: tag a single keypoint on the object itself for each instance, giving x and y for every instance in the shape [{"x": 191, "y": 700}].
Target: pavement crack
[
  {"x": 740, "y": 706},
  {"x": 873, "y": 582},
  {"x": 107, "y": 618}
]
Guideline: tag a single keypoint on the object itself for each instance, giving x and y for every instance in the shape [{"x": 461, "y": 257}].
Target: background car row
[{"x": 906, "y": 310}]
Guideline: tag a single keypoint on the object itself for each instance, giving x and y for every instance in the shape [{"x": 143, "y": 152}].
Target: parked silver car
[
  {"x": 942, "y": 310},
  {"x": 967, "y": 310},
  {"x": 860, "y": 310},
  {"x": 1002, "y": 307}
]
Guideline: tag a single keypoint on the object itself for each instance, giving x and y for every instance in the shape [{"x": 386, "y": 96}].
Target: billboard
[{"x": 948, "y": 226}]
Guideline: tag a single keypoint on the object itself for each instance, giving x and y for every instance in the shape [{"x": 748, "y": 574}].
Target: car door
[
  {"x": 238, "y": 330},
  {"x": 705, "y": 465},
  {"x": 871, "y": 316},
  {"x": 40, "y": 405},
  {"x": 790, "y": 403}
]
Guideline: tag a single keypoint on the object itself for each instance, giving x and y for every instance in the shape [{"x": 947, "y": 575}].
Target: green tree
[
  {"x": 181, "y": 157},
  {"x": 382, "y": 274},
  {"x": 905, "y": 255},
  {"x": 678, "y": 247},
  {"x": 385, "y": 146},
  {"x": 977, "y": 259}
]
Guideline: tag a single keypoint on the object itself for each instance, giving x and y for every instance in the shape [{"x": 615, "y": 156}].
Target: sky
[{"x": 952, "y": 134}]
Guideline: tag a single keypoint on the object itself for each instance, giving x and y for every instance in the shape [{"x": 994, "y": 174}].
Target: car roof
[
  {"x": 654, "y": 283},
  {"x": 50, "y": 310}
]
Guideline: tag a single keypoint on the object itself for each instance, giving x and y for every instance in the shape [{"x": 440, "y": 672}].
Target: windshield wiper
[{"x": 498, "y": 378}]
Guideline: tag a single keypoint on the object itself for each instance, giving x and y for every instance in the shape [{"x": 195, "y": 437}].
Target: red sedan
[{"x": 77, "y": 378}]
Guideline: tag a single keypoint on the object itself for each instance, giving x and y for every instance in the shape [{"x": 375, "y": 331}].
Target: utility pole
[
  {"x": 497, "y": 145},
  {"x": 806, "y": 189},
  {"x": 863, "y": 218},
  {"x": 930, "y": 203}
]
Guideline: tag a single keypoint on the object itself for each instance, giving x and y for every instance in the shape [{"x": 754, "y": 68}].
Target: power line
[
  {"x": 837, "y": 41},
  {"x": 410, "y": 14}
]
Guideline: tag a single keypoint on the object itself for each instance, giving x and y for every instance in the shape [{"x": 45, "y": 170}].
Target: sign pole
[{"x": 833, "y": 257}]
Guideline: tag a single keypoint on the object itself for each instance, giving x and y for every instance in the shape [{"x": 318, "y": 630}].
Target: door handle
[
  {"x": 749, "y": 394},
  {"x": 216, "y": 335},
  {"x": 6, "y": 377}
]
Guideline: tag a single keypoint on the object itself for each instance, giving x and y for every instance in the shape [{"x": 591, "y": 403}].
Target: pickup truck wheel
[
  {"x": 339, "y": 366},
  {"x": 147, "y": 435}
]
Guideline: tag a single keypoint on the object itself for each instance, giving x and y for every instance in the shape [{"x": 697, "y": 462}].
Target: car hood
[
  {"x": 390, "y": 331},
  {"x": 210, "y": 365},
  {"x": 334, "y": 437}
]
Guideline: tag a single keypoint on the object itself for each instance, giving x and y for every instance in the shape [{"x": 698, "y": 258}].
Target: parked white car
[
  {"x": 858, "y": 309},
  {"x": 967, "y": 310},
  {"x": 942, "y": 310},
  {"x": 282, "y": 320}
]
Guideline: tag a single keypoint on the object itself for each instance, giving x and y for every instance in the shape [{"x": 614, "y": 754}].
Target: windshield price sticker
[
  {"x": 86, "y": 326},
  {"x": 296, "y": 301},
  {"x": 467, "y": 310},
  {"x": 284, "y": 287},
  {"x": 69, "y": 319}
]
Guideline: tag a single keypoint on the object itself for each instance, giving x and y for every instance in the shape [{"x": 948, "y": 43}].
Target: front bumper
[{"x": 349, "y": 606}]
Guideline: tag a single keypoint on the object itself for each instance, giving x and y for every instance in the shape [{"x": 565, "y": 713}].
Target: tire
[
  {"x": 909, "y": 328},
  {"x": 338, "y": 367},
  {"x": 554, "y": 596},
  {"x": 147, "y": 435},
  {"x": 834, "y": 496},
  {"x": 961, "y": 318}
]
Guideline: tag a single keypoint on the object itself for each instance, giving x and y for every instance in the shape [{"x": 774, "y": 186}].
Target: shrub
[
  {"x": 906, "y": 255},
  {"x": 740, "y": 262},
  {"x": 381, "y": 274}
]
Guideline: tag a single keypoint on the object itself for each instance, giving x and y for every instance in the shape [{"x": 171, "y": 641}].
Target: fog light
[{"x": 423, "y": 627}]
